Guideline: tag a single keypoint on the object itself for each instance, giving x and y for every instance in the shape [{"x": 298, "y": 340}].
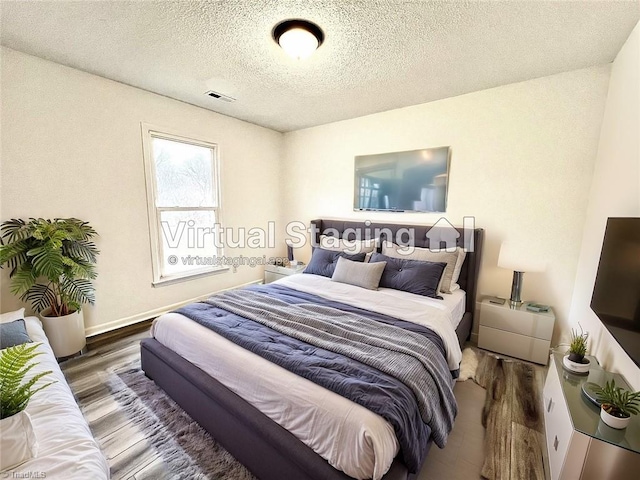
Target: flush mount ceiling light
[{"x": 299, "y": 38}]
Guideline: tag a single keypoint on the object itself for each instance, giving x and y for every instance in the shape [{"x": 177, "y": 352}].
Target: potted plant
[
  {"x": 617, "y": 404},
  {"x": 578, "y": 345},
  {"x": 574, "y": 361},
  {"x": 18, "y": 442},
  {"x": 52, "y": 264}
]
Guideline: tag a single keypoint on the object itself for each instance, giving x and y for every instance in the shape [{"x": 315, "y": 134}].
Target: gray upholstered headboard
[{"x": 468, "y": 280}]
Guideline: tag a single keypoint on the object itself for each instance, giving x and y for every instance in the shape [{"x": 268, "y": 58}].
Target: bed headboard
[{"x": 468, "y": 280}]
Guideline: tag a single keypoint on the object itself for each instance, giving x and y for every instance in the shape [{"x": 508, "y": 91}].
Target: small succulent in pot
[
  {"x": 617, "y": 404},
  {"x": 578, "y": 345}
]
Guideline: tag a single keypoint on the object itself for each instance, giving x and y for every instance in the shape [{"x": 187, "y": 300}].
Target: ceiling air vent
[{"x": 220, "y": 96}]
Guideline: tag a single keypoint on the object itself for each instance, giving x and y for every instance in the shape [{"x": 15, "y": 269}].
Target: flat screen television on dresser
[{"x": 616, "y": 294}]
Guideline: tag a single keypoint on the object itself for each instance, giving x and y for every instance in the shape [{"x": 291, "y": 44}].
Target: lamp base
[
  {"x": 516, "y": 289},
  {"x": 515, "y": 305}
]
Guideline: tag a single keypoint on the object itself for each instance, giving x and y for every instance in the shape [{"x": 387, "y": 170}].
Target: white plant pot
[
  {"x": 18, "y": 440},
  {"x": 66, "y": 334},
  {"x": 614, "y": 422},
  {"x": 575, "y": 367}
]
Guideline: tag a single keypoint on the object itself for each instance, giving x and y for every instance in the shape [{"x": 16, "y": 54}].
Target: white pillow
[
  {"x": 462, "y": 254},
  {"x": 426, "y": 255},
  {"x": 351, "y": 247},
  {"x": 12, "y": 316}
]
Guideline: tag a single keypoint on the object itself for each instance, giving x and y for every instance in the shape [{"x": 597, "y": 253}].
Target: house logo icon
[{"x": 443, "y": 235}]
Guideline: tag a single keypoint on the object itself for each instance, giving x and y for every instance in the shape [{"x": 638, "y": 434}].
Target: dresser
[
  {"x": 516, "y": 332},
  {"x": 580, "y": 445}
]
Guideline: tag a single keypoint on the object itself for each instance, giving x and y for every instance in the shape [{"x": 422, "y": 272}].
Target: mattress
[
  {"x": 351, "y": 438},
  {"x": 66, "y": 447}
]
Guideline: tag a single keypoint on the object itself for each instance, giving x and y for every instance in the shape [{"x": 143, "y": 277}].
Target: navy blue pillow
[
  {"x": 413, "y": 276},
  {"x": 323, "y": 262},
  {"x": 13, "y": 333}
]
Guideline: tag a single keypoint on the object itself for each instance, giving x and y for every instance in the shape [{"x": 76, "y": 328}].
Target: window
[{"x": 184, "y": 208}]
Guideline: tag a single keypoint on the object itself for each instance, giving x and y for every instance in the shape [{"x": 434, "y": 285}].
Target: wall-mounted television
[
  {"x": 616, "y": 294},
  {"x": 413, "y": 181}
]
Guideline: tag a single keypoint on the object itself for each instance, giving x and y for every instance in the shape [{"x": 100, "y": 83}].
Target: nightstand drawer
[
  {"x": 517, "y": 321},
  {"x": 276, "y": 272},
  {"x": 272, "y": 277},
  {"x": 514, "y": 345}
]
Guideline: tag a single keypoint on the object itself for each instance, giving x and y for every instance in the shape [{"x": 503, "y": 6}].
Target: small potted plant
[
  {"x": 575, "y": 361},
  {"x": 18, "y": 442},
  {"x": 52, "y": 264},
  {"x": 578, "y": 346},
  {"x": 617, "y": 404}
]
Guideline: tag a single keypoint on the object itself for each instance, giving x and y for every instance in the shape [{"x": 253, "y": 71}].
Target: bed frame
[{"x": 268, "y": 450}]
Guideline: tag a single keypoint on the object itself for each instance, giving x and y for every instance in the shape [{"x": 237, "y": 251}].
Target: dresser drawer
[
  {"x": 523, "y": 322},
  {"x": 513, "y": 344},
  {"x": 558, "y": 427}
]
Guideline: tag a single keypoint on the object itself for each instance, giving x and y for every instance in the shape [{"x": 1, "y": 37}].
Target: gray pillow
[
  {"x": 323, "y": 262},
  {"x": 413, "y": 276},
  {"x": 365, "y": 275},
  {"x": 13, "y": 333}
]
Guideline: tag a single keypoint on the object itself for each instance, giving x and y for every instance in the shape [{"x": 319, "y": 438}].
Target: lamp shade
[{"x": 517, "y": 259}]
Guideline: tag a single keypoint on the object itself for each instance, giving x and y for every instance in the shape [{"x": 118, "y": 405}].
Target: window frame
[{"x": 154, "y": 212}]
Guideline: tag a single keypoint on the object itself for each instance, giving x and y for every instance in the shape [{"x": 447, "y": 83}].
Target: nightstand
[
  {"x": 276, "y": 272},
  {"x": 516, "y": 332}
]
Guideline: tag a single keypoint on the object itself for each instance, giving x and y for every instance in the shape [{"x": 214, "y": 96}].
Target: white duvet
[
  {"x": 66, "y": 447},
  {"x": 351, "y": 438}
]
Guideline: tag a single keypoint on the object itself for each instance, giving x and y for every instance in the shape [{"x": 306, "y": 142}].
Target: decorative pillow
[
  {"x": 351, "y": 247},
  {"x": 365, "y": 275},
  {"x": 413, "y": 276},
  {"x": 426, "y": 255},
  {"x": 13, "y": 333},
  {"x": 323, "y": 262},
  {"x": 11, "y": 316}
]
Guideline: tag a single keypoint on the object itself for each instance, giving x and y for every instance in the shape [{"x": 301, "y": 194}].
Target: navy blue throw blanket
[{"x": 379, "y": 392}]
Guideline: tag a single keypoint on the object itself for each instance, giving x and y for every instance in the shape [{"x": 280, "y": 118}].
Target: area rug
[
  {"x": 187, "y": 451},
  {"x": 512, "y": 416}
]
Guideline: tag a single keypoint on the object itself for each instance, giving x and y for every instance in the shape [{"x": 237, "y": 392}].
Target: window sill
[{"x": 173, "y": 279}]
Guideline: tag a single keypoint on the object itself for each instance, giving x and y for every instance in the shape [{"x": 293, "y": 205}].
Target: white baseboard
[{"x": 141, "y": 317}]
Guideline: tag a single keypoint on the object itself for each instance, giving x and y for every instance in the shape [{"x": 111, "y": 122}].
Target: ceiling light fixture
[{"x": 299, "y": 38}]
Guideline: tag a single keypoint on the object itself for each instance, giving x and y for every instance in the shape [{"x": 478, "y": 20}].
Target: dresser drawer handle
[
  {"x": 555, "y": 444},
  {"x": 550, "y": 404}
]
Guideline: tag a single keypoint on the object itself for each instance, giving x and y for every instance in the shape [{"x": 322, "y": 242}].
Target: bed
[
  {"x": 278, "y": 436},
  {"x": 66, "y": 447}
]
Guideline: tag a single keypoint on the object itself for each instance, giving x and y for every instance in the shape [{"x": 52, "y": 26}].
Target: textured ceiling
[{"x": 378, "y": 55}]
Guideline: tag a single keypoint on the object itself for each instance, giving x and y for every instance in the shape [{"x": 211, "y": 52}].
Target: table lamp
[{"x": 515, "y": 259}]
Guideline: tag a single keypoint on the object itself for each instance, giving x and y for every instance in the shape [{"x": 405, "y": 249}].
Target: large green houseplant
[
  {"x": 52, "y": 264},
  {"x": 18, "y": 442}
]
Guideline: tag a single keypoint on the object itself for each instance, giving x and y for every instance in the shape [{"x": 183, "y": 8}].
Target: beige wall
[
  {"x": 71, "y": 146},
  {"x": 615, "y": 191},
  {"x": 522, "y": 160}
]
